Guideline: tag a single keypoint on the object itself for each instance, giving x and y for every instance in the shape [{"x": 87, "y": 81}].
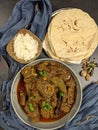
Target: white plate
[
  {"x": 44, "y": 42},
  {"x": 48, "y": 52}
]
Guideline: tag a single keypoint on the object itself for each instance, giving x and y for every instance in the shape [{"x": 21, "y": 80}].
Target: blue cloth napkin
[
  {"x": 87, "y": 117},
  {"x": 24, "y": 13}
]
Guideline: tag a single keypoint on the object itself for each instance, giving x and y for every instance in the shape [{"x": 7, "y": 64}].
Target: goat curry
[{"x": 46, "y": 91}]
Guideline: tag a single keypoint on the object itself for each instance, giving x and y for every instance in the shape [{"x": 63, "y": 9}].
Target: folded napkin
[
  {"x": 24, "y": 13},
  {"x": 87, "y": 117}
]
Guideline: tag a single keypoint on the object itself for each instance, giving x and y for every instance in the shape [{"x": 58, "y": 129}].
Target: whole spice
[
  {"x": 88, "y": 68},
  {"x": 87, "y": 77},
  {"x": 83, "y": 73}
]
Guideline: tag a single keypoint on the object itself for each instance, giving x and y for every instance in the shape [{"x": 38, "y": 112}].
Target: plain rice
[{"x": 25, "y": 46}]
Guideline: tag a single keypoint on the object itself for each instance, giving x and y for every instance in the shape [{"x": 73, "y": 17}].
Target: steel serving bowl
[{"x": 46, "y": 125}]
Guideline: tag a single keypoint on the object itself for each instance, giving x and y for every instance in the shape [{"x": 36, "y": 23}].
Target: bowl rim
[{"x": 59, "y": 124}]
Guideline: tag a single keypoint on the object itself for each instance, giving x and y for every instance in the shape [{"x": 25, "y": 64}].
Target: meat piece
[
  {"x": 65, "y": 107},
  {"x": 29, "y": 73},
  {"x": 26, "y": 71},
  {"x": 64, "y": 76},
  {"x": 64, "y": 98},
  {"x": 47, "y": 113},
  {"x": 71, "y": 83},
  {"x": 54, "y": 101},
  {"x": 71, "y": 90},
  {"x": 33, "y": 115},
  {"x": 53, "y": 70},
  {"x": 71, "y": 96},
  {"x": 28, "y": 88},
  {"x": 22, "y": 98},
  {"x": 43, "y": 66},
  {"x": 45, "y": 88},
  {"x": 35, "y": 96}
]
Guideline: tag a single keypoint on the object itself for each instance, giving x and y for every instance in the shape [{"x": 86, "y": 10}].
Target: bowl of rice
[{"x": 25, "y": 46}]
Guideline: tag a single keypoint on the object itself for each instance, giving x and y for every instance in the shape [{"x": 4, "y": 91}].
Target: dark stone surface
[{"x": 90, "y": 6}]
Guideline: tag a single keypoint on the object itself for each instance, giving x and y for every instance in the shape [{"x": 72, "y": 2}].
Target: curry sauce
[{"x": 46, "y": 91}]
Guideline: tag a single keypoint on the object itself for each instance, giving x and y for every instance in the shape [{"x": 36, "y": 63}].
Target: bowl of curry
[{"x": 46, "y": 93}]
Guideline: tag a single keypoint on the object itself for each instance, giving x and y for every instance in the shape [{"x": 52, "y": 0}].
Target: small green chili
[
  {"x": 43, "y": 73},
  {"x": 47, "y": 106},
  {"x": 32, "y": 97},
  {"x": 61, "y": 94},
  {"x": 31, "y": 107}
]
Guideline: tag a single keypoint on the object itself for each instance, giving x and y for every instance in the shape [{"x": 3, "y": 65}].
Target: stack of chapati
[{"x": 72, "y": 36}]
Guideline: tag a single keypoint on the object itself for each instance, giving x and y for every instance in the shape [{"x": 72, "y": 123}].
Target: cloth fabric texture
[{"x": 24, "y": 13}]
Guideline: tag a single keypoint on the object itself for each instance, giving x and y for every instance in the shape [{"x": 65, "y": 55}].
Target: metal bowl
[{"x": 46, "y": 125}]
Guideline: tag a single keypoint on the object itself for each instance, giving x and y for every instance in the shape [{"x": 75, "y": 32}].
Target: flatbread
[{"x": 72, "y": 35}]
